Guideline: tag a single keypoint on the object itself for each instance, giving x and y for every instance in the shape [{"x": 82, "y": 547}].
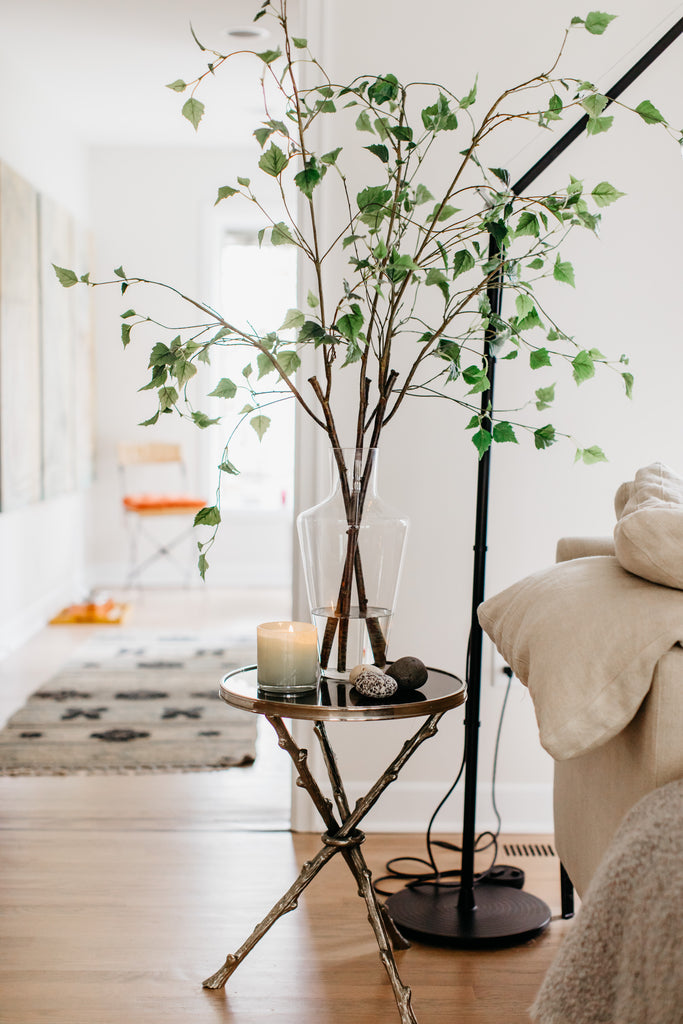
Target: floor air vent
[{"x": 528, "y": 850}]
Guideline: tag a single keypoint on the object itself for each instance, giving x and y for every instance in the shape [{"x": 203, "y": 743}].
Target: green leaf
[
  {"x": 628, "y": 384},
  {"x": 353, "y": 354},
  {"x": 151, "y": 421},
  {"x": 312, "y": 300},
  {"x": 437, "y": 277},
  {"x": 293, "y": 318},
  {"x": 476, "y": 376},
  {"x": 604, "y": 194},
  {"x": 350, "y": 324},
  {"x": 202, "y": 420},
  {"x": 564, "y": 272},
  {"x": 202, "y": 565},
  {"x": 462, "y": 262},
  {"x": 260, "y": 425},
  {"x": 183, "y": 371},
  {"x": 471, "y": 98},
  {"x": 311, "y": 331},
  {"x": 536, "y": 264},
  {"x": 308, "y": 178},
  {"x": 224, "y": 389},
  {"x": 594, "y": 104},
  {"x": 527, "y": 224},
  {"x": 167, "y": 398},
  {"x": 363, "y": 123},
  {"x": 224, "y": 192},
  {"x": 300, "y": 43},
  {"x": 193, "y": 110},
  {"x": 596, "y": 125},
  {"x": 227, "y": 467},
  {"x": 503, "y": 432},
  {"x": 383, "y": 89},
  {"x": 265, "y": 364},
  {"x": 482, "y": 441},
  {"x": 440, "y": 212},
  {"x": 125, "y": 333},
  {"x": 545, "y": 397},
  {"x": 268, "y": 56},
  {"x": 262, "y": 135},
  {"x": 590, "y": 455},
  {"x": 584, "y": 367},
  {"x": 649, "y": 113},
  {"x": 373, "y": 198},
  {"x": 243, "y": 181},
  {"x": 273, "y": 161},
  {"x": 160, "y": 355},
  {"x": 539, "y": 357},
  {"x": 194, "y": 36},
  {"x": 178, "y": 85},
  {"x": 501, "y": 173},
  {"x": 422, "y": 195},
  {"x": 209, "y": 516},
  {"x": 281, "y": 235},
  {"x": 544, "y": 436},
  {"x": 120, "y": 272},
  {"x": 402, "y": 132},
  {"x": 289, "y": 362},
  {"x": 331, "y": 157},
  {"x": 379, "y": 150},
  {"x": 67, "y": 278},
  {"x": 128, "y": 313},
  {"x": 597, "y": 21},
  {"x": 524, "y": 304}
]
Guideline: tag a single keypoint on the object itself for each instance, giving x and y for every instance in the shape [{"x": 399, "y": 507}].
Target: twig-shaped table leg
[
  {"x": 344, "y": 838},
  {"x": 355, "y": 858}
]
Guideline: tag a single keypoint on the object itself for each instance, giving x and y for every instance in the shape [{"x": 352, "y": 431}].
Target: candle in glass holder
[{"x": 287, "y": 656}]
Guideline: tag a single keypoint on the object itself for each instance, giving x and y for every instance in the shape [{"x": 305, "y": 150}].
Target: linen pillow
[
  {"x": 648, "y": 537},
  {"x": 585, "y": 637}
]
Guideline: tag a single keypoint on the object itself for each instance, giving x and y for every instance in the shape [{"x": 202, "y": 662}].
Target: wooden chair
[{"x": 141, "y": 508}]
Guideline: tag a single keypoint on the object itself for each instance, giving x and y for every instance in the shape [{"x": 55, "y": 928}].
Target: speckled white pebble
[
  {"x": 375, "y": 684},
  {"x": 357, "y": 669}
]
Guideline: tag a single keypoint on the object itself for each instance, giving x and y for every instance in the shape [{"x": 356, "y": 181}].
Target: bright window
[{"x": 257, "y": 287}]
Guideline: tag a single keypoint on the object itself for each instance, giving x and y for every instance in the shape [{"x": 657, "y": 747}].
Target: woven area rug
[{"x": 134, "y": 702}]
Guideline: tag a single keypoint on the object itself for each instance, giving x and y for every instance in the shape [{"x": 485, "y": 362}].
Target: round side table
[{"x": 334, "y": 701}]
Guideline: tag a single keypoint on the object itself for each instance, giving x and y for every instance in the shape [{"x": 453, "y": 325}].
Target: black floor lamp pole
[{"x": 478, "y": 915}]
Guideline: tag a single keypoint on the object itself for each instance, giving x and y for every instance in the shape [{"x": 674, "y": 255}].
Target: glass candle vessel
[
  {"x": 352, "y": 547},
  {"x": 287, "y": 657}
]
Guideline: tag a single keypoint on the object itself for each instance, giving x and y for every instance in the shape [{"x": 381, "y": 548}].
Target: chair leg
[{"x": 566, "y": 894}]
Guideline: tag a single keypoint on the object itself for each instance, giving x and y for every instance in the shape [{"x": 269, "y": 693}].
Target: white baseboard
[
  {"x": 19, "y": 628},
  {"x": 407, "y": 807}
]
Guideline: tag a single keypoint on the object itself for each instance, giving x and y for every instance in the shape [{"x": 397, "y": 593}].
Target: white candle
[{"x": 287, "y": 656}]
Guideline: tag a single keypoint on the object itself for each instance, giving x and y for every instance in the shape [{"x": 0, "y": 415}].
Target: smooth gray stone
[{"x": 410, "y": 673}]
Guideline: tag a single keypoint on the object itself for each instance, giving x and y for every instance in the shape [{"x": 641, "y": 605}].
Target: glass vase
[{"x": 352, "y": 547}]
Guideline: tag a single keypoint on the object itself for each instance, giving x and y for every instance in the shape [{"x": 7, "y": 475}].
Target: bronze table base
[{"x": 341, "y": 836}]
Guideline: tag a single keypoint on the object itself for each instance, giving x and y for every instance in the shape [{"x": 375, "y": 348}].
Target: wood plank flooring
[{"x": 118, "y": 895}]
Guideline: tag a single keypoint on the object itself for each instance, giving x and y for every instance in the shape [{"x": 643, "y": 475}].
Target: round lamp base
[{"x": 503, "y": 916}]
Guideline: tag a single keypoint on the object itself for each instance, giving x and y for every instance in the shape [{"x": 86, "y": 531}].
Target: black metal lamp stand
[{"x": 476, "y": 914}]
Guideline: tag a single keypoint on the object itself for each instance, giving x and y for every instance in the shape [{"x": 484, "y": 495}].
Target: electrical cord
[{"x": 434, "y": 876}]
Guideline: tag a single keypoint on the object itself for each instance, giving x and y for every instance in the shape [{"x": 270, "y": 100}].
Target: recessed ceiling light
[{"x": 248, "y": 32}]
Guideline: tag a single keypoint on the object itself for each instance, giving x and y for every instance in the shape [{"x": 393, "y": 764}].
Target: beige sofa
[
  {"x": 593, "y": 792},
  {"x": 597, "y": 639}
]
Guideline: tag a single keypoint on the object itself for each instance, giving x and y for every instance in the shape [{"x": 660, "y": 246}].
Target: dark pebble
[{"x": 409, "y": 673}]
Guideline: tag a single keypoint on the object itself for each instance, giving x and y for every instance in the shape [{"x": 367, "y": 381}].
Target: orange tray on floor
[{"x": 111, "y": 612}]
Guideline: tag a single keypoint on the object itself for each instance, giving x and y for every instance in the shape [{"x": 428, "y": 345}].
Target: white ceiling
[{"x": 105, "y": 64}]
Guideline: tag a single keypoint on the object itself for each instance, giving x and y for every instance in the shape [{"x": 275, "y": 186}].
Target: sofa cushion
[
  {"x": 585, "y": 637},
  {"x": 648, "y": 537}
]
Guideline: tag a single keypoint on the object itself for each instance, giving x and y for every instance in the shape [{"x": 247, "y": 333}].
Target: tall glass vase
[{"x": 352, "y": 546}]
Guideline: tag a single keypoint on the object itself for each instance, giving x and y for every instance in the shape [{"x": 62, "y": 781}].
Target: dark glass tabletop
[{"x": 334, "y": 701}]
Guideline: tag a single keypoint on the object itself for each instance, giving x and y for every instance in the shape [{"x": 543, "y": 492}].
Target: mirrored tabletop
[{"x": 336, "y": 701}]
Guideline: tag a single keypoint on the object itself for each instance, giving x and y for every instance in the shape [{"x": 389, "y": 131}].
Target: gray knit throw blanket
[{"x": 622, "y": 962}]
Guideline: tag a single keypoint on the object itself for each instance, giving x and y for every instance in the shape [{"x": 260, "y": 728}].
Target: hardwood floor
[{"x": 119, "y": 895}]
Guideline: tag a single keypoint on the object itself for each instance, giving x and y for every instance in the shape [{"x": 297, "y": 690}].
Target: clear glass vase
[{"x": 352, "y": 547}]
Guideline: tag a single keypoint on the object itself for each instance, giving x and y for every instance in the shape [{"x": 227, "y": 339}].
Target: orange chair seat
[{"x": 163, "y": 504}]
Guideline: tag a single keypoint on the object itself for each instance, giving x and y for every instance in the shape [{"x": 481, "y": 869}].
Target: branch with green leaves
[{"x": 409, "y": 315}]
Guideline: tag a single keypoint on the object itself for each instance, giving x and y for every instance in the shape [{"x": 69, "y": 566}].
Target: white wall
[
  {"x": 625, "y": 301},
  {"x": 41, "y": 546}
]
